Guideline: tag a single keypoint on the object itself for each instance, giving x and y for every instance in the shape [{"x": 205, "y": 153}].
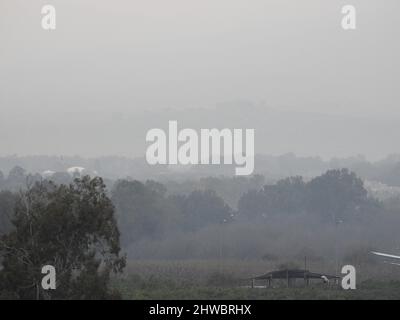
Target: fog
[
  {"x": 78, "y": 194},
  {"x": 113, "y": 70}
]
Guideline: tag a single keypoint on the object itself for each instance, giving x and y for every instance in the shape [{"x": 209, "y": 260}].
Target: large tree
[
  {"x": 287, "y": 196},
  {"x": 335, "y": 196},
  {"x": 72, "y": 228},
  {"x": 2, "y": 180},
  {"x": 7, "y": 204},
  {"x": 202, "y": 208},
  {"x": 142, "y": 210},
  {"x": 339, "y": 195}
]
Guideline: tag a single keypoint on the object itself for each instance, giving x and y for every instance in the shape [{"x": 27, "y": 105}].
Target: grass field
[{"x": 218, "y": 280}]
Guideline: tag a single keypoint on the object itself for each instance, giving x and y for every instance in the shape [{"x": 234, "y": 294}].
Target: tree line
[{"x": 81, "y": 227}]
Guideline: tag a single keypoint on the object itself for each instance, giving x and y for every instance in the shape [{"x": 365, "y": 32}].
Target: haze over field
[
  {"x": 80, "y": 197},
  {"x": 113, "y": 70}
]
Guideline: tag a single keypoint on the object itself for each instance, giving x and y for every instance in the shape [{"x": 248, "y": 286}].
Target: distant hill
[{"x": 92, "y": 133}]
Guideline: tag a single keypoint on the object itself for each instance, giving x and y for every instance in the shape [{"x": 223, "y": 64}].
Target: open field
[{"x": 190, "y": 279}]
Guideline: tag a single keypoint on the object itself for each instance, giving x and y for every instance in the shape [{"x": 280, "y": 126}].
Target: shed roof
[{"x": 294, "y": 273}]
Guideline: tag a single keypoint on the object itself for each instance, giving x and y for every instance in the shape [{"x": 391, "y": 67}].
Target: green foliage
[
  {"x": 336, "y": 196},
  {"x": 69, "y": 227},
  {"x": 7, "y": 203},
  {"x": 164, "y": 289},
  {"x": 142, "y": 209},
  {"x": 202, "y": 208},
  {"x": 145, "y": 212}
]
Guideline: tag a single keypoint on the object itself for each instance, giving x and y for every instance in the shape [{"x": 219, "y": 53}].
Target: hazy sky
[{"x": 124, "y": 56}]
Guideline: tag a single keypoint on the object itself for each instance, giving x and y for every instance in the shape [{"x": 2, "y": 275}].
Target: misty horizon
[{"x": 106, "y": 76}]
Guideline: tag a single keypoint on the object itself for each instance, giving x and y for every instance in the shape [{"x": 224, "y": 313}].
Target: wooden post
[
  {"x": 305, "y": 271},
  {"x": 287, "y": 278},
  {"x": 305, "y": 262}
]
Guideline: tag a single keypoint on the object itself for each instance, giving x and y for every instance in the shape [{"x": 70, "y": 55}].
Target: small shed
[{"x": 292, "y": 274}]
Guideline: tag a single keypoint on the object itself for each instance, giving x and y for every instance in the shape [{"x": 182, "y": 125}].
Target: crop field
[{"x": 212, "y": 279}]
